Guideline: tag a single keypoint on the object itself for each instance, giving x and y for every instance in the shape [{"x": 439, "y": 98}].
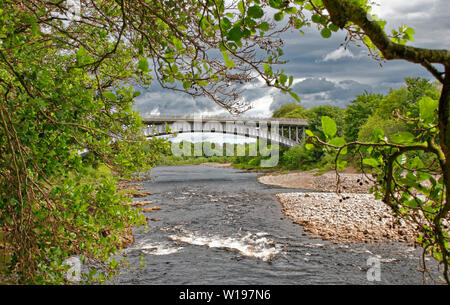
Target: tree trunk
[
  {"x": 444, "y": 136},
  {"x": 444, "y": 139}
]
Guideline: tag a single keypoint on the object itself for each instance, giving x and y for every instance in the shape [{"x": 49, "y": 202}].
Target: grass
[{"x": 179, "y": 160}]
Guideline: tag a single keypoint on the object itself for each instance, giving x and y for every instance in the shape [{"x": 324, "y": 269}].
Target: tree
[
  {"x": 287, "y": 109},
  {"x": 315, "y": 114},
  {"x": 430, "y": 211},
  {"x": 62, "y": 76},
  {"x": 357, "y": 113}
]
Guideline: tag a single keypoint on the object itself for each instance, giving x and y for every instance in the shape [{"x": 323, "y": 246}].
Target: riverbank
[
  {"x": 220, "y": 226},
  {"x": 345, "y": 217},
  {"x": 353, "y": 215},
  {"x": 349, "y": 181}
]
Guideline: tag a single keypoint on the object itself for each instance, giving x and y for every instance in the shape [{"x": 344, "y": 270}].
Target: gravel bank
[
  {"x": 349, "y": 182},
  {"x": 345, "y": 218},
  {"x": 351, "y": 216}
]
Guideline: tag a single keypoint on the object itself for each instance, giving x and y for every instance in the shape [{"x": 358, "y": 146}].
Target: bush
[
  {"x": 298, "y": 157},
  {"x": 389, "y": 127}
]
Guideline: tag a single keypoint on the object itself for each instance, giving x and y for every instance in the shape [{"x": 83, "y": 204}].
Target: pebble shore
[
  {"x": 345, "y": 218},
  {"x": 350, "y": 216}
]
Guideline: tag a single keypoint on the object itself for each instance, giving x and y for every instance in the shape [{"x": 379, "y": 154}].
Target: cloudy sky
[{"x": 325, "y": 73}]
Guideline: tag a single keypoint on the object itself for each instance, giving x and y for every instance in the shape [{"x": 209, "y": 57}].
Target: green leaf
[
  {"x": 110, "y": 96},
  {"x": 276, "y": 3},
  {"x": 143, "y": 64},
  {"x": 326, "y": 33},
  {"x": 278, "y": 16},
  {"x": 403, "y": 137},
  {"x": 241, "y": 7},
  {"x": 309, "y": 133},
  {"x": 417, "y": 163},
  {"x": 177, "y": 43},
  {"x": 410, "y": 32},
  {"x": 315, "y": 18},
  {"x": 341, "y": 164},
  {"x": 83, "y": 57},
  {"x": 328, "y": 126},
  {"x": 309, "y": 7},
  {"x": 427, "y": 108},
  {"x": 309, "y": 146},
  {"x": 225, "y": 23},
  {"x": 229, "y": 63},
  {"x": 255, "y": 11},
  {"x": 267, "y": 69},
  {"x": 412, "y": 203},
  {"x": 371, "y": 161},
  {"x": 377, "y": 134},
  {"x": 290, "y": 10},
  {"x": 333, "y": 27},
  {"x": 295, "y": 96},
  {"x": 318, "y": 3},
  {"x": 338, "y": 141},
  {"x": 187, "y": 84},
  {"x": 235, "y": 34},
  {"x": 264, "y": 26}
]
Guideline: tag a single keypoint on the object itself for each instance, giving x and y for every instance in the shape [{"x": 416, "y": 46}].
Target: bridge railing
[{"x": 190, "y": 117}]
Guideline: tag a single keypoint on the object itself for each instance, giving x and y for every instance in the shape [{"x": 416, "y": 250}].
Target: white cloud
[
  {"x": 340, "y": 53},
  {"x": 389, "y": 8}
]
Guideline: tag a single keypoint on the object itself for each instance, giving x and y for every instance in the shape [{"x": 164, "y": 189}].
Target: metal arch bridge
[{"x": 285, "y": 131}]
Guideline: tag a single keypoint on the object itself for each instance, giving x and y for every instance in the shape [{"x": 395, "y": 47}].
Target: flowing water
[{"x": 220, "y": 226}]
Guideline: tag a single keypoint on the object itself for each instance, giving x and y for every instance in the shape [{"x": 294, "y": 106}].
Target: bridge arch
[{"x": 267, "y": 129}]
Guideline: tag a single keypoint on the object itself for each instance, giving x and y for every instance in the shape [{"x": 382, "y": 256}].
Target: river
[{"x": 220, "y": 226}]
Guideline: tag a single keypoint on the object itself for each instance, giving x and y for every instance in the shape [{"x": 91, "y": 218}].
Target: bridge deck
[{"x": 281, "y": 121}]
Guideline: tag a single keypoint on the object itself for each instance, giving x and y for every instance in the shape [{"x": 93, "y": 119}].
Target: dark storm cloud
[
  {"x": 320, "y": 91},
  {"x": 313, "y": 85},
  {"x": 328, "y": 77},
  {"x": 159, "y": 100},
  {"x": 164, "y": 101},
  {"x": 430, "y": 20}
]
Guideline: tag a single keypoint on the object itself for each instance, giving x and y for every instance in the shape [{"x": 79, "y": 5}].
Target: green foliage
[
  {"x": 407, "y": 170},
  {"x": 286, "y": 109},
  {"x": 298, "y": 157},
  {"x": 59, "y": 96},
  {"x": 293, "y": 157},
  {"x": 313, "y": 115},
  {"x": 358, "y": 112},
  {"x": 312, "y": 157},
  {"x": 389, "y": 128},
  {"x": 328, "y": 126}
]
